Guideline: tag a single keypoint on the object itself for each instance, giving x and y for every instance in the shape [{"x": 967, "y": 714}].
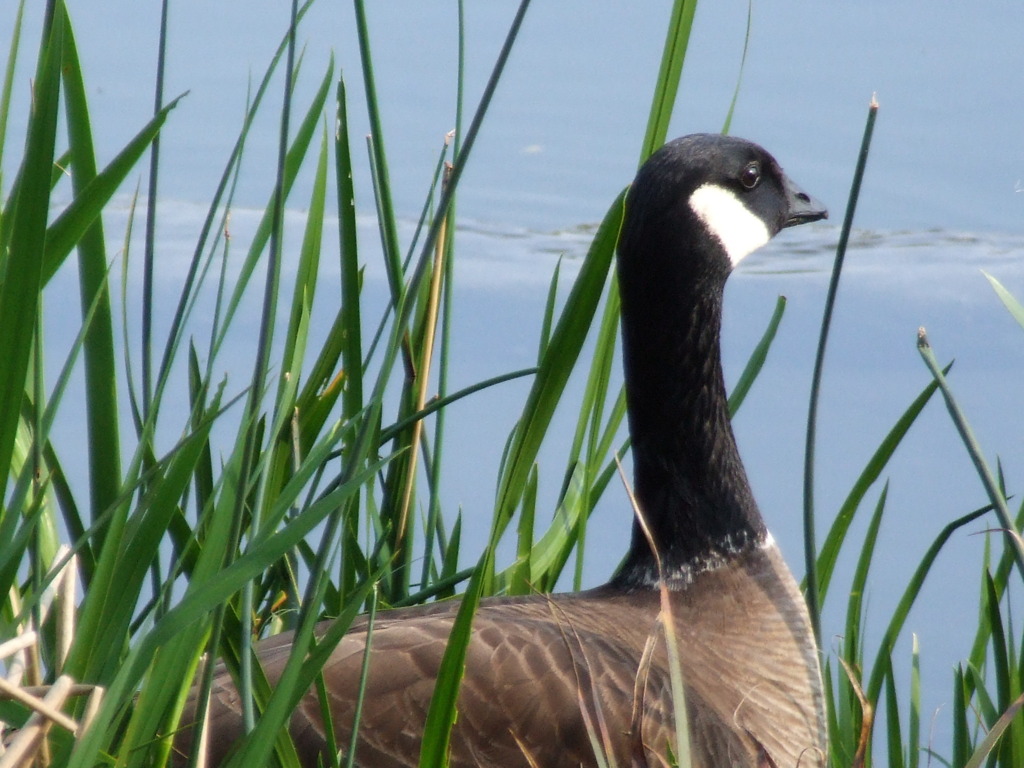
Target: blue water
[{"x": 943, "y": 200}]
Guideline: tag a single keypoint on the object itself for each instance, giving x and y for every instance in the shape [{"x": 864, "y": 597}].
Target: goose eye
[{"x": 751, "y": 175}]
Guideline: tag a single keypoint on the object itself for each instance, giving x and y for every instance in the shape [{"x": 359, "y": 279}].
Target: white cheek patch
[{"x": 740, "y": 231}]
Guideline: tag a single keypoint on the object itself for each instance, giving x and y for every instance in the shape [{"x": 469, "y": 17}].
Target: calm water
[{"x": 943, "y": 200}]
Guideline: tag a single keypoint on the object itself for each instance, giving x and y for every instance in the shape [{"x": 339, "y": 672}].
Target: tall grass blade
[
  {"x": 388, "y": 433},
  {"x": 914, "y": 728},
  {"x": 829, "y": 552},
  {"x": 442, "y": 713},
  {"x": 560, "y": 357},
  {"x": 382, "y": 178},
  {"x": 350, "y": 758},
  {"x": 757, "y": 359},
  {"x": 1009, "y": 301},
  {"x": 549, "y": 311},
  {"x": 66, "y": 230},
  {"x": 810, "y": 539},
  {"x": 5, "y": 91},
  {"x": 986, "y": 748},
  {"x": 909, "y": 596},
  {"x": 100, "y": 356},
  {"x": 855, "y": 602},
  {"x": 431, "y": 524},
  {"x": 743, "y": 64},
  {"x": 188, "y": 295},
  {"x": 961, "y": 729},
  {"x": 465, "y": 148},
  {"x": 303, "y": 668},
  {"x": 894, "y": 735},
  {"x": 995, "y": 494},
  {"x": 352, "y": 353},
  {"x": 985, "y": 705},
  {"x": 262, "y": 364},
  {"x": 109, "y": 606},
  {"x": 294, "y": 157},
  {"x": 21, "y": 265},
  {"x": 149, "y": 248},
  {"x": 204, "y": 595},
  {"x": 666, "y": 88},
  {"x": 307, "y": 272}
]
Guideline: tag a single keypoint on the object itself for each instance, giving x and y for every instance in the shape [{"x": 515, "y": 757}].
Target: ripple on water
[{"x": 933, "y": 254}]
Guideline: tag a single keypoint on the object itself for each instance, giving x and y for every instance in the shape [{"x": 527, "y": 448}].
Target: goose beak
[{"x": 802, "y": 207}]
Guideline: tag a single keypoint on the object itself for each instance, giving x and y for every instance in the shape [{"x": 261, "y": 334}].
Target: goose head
[{"x": 696, "y": 209}]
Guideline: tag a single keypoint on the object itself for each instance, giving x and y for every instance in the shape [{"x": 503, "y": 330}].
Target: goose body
[{"x": 546, "y": 674}]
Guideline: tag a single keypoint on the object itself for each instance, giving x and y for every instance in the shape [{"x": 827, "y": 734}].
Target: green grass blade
[
  {"x": 560, "y": 357},
  {"x": 108, "y": 610},
  {"x": 299, "y": 675},
  {"x": 914, "y": 728},
  {"x": 810, "y": 539},
  {"x": 350, "y": 758},
  {"x": 49, "y": 415},
  {"x": 22, "y": 271},
  {"x": 743, "y": 63},
  {"x": 1000, "y": 651},
  {"x": 295, "y": 155},
  {"x": 829, "y": 553},
  {"x": 214, "y": 211},
  {"x": 592, "y": 418},
  {"x": 382, "y": 186},
  {"x": 995, "y": 494},
  {"x": 988, "y": 744},
  {"x": 549, "y": 311},
  {"x": 352, "y": 354},
  {"x": 667, "y": 86},
  {"x": 204, "y": 595},
  {"x": 757, "y": 358},
  {"x": 461, "y": 158},
  {"x": 99, "y": 352},
  {"x": 855, "y": 603},
  {"x": 1009, "y": 301},
  {"x": 985, "y": 705},
  {"x": 389, "y": 432},
  {"x": 304, "y": 290},
  {"x": 442, "y": 712},
  {"x": 5, "y": 91},
  {"x": 251, "y": 438},
  {"x": 961, "y": 729},
  {"x": 519, "y": 582},
  {"x": 596, "y": 390},
  {"x": 1001, "y": 580},
  {"x": 894, "y": 736},
  {"x": 434, "y": 508},
  {"x": 149, "y": 248},
  {"x": 66, "y": 231},
  {"x": 906, "y": 602}
]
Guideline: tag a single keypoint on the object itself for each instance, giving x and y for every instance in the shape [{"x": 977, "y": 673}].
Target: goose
[{"x": 545, "y": 674}]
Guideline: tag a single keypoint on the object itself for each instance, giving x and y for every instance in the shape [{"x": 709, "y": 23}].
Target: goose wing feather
[{"x": 565, "y": 668}]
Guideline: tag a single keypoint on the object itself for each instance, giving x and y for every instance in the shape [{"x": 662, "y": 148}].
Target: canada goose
[{"x": 753, "y": 687}]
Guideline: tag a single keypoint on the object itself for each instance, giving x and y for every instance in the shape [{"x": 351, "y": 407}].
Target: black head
[
  {"x": 697, "y": 207},
  {"x": 711, "y": 190}
]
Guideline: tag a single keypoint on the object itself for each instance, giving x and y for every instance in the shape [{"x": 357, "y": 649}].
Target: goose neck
[{"x": 689, "y": 481}]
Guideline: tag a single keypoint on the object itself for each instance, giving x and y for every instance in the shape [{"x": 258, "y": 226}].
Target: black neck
[{"x": 689, "y": 481}]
